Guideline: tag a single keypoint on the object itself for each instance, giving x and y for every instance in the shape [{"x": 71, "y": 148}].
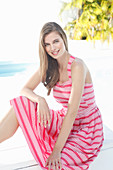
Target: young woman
[{"x": 67, "y": 139}]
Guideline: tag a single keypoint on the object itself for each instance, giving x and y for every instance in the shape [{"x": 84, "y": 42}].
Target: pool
[{"x": 8, "y": 68}]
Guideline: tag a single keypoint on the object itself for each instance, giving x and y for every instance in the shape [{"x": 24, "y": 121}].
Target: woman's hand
[
  {"x": 43, "y": 112},
  {"x": 54, "y": 161}
]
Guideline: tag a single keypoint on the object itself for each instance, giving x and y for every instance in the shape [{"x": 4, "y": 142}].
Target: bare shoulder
[{"x": 78, "y": 64}]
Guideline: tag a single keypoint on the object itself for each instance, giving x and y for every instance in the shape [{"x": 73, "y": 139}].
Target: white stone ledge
[{"x": 15, "y": 154}]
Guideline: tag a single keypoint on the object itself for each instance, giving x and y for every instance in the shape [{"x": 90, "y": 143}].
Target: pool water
[{"x": 8, "y": 68}]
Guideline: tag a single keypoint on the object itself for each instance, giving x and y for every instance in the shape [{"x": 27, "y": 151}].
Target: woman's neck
[{"x": 63, "y": 61}]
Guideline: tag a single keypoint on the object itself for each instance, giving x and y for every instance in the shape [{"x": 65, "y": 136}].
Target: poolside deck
[{"x": 16, "y": 155}]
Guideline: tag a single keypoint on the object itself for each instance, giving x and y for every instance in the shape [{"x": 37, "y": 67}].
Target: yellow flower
[
  {"x": 111, "y": 29},
  {"x": 104, "y": 6},
  {"x": 90, "y": 0},
  {"x": 97, "y": 11}
]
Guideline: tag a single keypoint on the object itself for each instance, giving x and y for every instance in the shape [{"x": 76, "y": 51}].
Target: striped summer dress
[{"x": 85, "y": 139}]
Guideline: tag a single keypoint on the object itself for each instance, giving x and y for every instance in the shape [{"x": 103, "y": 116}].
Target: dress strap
[{"x": 71, "y": 59}]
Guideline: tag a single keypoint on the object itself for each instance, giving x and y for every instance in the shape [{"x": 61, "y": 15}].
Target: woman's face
[{"x": 54, "y": 45}]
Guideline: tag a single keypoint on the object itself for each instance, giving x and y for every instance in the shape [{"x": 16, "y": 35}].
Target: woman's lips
[{"x": 55, "y": 52}]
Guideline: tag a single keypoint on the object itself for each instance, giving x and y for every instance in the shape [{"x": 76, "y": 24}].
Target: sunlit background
[{"x": 20, "y": 25}]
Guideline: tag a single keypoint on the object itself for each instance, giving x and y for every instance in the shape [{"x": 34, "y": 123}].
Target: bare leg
[{"x": 8, "y": 125}]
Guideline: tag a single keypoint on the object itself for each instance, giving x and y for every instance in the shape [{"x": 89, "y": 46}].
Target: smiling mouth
[{"x": 55, "y": 52}]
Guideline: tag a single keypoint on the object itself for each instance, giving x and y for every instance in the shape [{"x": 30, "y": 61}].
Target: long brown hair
[{"x": 49, "y": 67}]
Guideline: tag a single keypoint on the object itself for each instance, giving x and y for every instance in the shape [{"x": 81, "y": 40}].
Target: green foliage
[{"x": 95, "y": 21}]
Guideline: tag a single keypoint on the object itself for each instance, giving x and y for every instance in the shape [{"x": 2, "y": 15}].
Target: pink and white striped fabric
[{"x": 85, "y": 139}]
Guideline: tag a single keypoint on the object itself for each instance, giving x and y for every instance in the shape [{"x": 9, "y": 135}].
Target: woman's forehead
[{"x": 51, "y": 36}]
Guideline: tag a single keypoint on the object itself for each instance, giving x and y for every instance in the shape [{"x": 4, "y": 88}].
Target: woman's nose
[{"x": 52, "y": 47}]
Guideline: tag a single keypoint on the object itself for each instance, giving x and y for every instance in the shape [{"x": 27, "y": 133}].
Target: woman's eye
[
  {"x": 56, "y": 41},
  {"x": 46, "y": 45}
]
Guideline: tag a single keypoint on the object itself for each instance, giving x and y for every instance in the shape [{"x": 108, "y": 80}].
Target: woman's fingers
[
  {"x": 49, "y": 166},
  {"x": 59, "y": 162},
  {"x": 44, "y": 118},
  {"x": 53, "y": 163},
  {"x": 49, "y": 118},
  {"x": 45, "y": 121},
  {"x": 39, "y": 117},
  {"x": 57, "y": 165}
]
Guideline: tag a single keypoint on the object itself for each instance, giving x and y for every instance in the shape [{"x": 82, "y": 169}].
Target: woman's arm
[
  {"x": 78, "y": 73},
  {"x": 27, "y": 91},
  {"x": 28, "y": 88}
]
